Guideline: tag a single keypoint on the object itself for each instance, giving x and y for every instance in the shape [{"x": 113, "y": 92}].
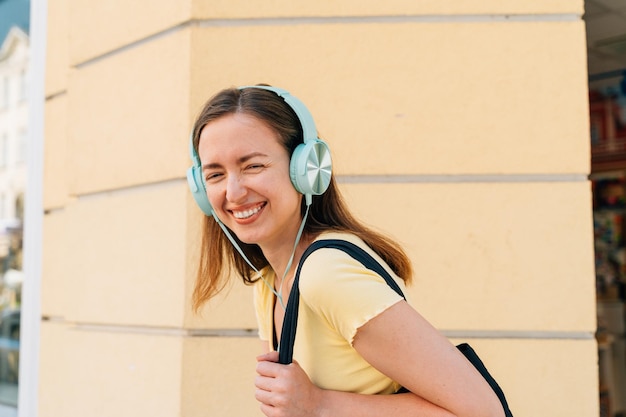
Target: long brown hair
[{"x": 327, "y": 212}]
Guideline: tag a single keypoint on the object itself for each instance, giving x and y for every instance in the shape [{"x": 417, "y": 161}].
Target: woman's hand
[{"x": 285, "y": 390}]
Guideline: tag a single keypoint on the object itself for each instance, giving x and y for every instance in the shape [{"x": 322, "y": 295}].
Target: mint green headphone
[{"x": 310, "y": 166}]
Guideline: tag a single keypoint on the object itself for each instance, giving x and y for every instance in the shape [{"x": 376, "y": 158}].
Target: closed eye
[
  {"x": 212, "y": 176},
  {"x": 254, "y": 167}
]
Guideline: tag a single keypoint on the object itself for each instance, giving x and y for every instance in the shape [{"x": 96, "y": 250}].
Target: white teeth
[{"x": 246, "y": 213}]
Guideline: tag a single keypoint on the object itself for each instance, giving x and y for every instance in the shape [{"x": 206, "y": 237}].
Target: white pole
[{"x": 33, "y": 217}]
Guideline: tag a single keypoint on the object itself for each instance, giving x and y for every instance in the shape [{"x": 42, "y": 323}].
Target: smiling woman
[{"x": 263, "y": 178}]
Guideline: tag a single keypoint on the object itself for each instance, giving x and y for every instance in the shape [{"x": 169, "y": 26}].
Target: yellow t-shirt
[{"x": 337, "y": 296}]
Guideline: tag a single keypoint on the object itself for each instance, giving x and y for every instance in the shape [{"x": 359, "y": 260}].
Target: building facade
[{"x": 460, "y": 129}]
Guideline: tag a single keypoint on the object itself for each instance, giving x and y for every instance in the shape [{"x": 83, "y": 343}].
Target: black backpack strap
[{"x": 288, "y": 334}]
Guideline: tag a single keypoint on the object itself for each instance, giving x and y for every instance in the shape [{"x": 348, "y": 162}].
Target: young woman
[{"x": 253, "y": 147}]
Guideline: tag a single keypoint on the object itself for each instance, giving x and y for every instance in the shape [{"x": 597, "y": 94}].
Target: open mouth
[{"x": 245, "y": 214}]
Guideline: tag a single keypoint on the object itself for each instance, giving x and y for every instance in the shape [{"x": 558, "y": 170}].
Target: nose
[{"x": 235, "y": 189}]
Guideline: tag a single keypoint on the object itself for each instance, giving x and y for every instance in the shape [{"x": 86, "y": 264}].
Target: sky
[{"x": 14, "y": 13}]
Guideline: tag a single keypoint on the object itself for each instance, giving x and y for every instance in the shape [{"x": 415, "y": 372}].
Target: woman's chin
[{"x": 248, "y": 238}]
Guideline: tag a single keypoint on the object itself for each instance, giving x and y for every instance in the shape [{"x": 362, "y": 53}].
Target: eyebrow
[{"x": 240, "y": 160}]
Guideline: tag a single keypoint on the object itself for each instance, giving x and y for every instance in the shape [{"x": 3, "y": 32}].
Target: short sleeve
[{"x": 342, "y": 291}]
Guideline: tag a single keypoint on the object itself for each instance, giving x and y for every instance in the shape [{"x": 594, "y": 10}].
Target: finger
[
  {"x": 269, "y": 369},
  {"x": 264, "y": 397},
  {"x": 268, "y": 410},
  {"x": 263, "y": 383},
  {"x": 269, "y": 357}
]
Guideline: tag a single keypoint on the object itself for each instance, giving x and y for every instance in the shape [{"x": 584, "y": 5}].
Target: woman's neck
[{"x": 279, "y": 257}]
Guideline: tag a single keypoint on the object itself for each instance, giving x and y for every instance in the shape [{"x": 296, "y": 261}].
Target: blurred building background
[
  {"x": 461, "y": 129},
  {"x": 14, "y": 66},
  {"x": 606, "y": 45}
]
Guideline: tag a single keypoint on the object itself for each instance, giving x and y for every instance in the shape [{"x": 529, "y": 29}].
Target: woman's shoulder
[
  {"x": 352, "y": 238},
  {"x": 330, "y": 277},
  {"x": 338, "y": 235},
  {"x": 328, "y": 265}
]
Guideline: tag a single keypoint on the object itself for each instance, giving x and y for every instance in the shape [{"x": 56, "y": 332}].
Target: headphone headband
[{"x": 309, "y": 132}]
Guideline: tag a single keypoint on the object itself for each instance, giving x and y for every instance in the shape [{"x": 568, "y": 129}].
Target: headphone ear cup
[
  {"x": 198, "y": 190},
  {"x": 310, "y": 167}
]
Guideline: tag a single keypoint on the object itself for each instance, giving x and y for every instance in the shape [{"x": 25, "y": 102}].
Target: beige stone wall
[{"x": 461, "y": 129}]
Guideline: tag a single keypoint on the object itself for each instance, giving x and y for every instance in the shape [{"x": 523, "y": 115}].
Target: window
[
  {"x": 4, "y": 146},
  {"x": 23, "y": 85},
  {"x": 22, "y": 145}
]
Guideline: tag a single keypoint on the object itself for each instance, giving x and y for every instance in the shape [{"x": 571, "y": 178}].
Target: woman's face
[{"x": 246, "y": 170}]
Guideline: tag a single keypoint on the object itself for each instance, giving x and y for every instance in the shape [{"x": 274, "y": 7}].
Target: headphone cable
[{"x": 279, "y": 293}]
